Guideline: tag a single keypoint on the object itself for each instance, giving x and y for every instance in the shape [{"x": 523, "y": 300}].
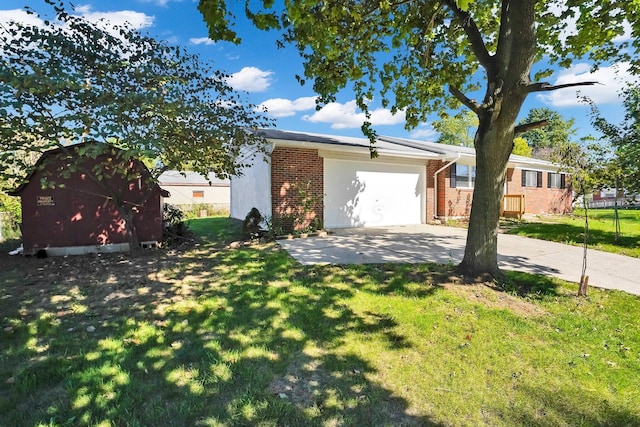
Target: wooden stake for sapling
[{"x": 584, "y": 283}]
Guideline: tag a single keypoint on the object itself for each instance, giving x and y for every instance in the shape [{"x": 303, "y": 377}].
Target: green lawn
[
  {"x": 570, "y": 229},
  {"x": 214, "y": 336}
]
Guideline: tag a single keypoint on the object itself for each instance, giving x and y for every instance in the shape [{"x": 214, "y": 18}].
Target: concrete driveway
[{"x": 429, "y": 243}]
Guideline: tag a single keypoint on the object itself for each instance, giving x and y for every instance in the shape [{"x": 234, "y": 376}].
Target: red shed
[{"x": 75, "y": 202}]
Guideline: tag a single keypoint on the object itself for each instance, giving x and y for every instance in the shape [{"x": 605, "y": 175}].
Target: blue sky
[{"x": 267, "y": 73}]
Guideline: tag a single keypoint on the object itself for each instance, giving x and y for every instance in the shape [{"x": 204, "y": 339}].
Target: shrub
[
  {"x": 251, "y": 225},
  {"x": 172, "y": 214},
  {"x": 10, "y": 216},
  {"x": 193, "y": 211},
  {"x": 175, "y": 231}
]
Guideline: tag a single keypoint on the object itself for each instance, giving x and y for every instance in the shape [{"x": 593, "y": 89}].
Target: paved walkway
[{"x": 429, "y": 243}]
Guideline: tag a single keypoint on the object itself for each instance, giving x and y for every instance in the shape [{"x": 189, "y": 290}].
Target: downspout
[{"x": 435, "y": 184}]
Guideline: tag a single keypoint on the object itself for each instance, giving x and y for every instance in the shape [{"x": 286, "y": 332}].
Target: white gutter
[{"x": 435, "y": 184}]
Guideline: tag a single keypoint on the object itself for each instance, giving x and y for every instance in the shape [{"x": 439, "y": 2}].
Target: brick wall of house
[
  {"x": 452, "y": 202},
  {"x": 456, "y": 202},
  {"x": 432, "y": 168},
  {"x": 296, "y": 172},
  {"x": 539, "y": 200}
]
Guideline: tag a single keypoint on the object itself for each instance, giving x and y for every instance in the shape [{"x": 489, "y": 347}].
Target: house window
[
  {"x": 555, "y": 180},
  {"x": 531, "y": 179},
  {"x": 198, "y": 194},
  {"x": 462, "y": 176}
]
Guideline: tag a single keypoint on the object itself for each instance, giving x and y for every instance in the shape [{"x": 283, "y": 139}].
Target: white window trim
[{"x": 470, "y": 185}]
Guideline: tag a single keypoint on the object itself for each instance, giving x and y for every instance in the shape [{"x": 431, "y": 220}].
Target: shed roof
[{"x": 72, "y": 150}]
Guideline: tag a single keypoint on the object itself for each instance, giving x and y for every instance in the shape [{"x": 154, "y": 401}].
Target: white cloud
[
  {"x": 162, "y": 3},
  {"x": 202, "y": 40},
  {"x": 610, "y": 81},
  {"x": 251, "y": 79},
  {"x": 136, "y": 20},
  {"x": 628, "y": 32},
  {"x": 19, "y": 15},
  {"x": 425, "y": 132},
  {"x": 342, "y": 116},
  {"x": 280, "y": 107}
]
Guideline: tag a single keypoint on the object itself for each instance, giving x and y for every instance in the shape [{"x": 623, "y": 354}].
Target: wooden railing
[{"x": 513, "y": 205}]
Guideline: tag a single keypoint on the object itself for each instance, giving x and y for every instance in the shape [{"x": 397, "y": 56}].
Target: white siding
[
  {"x": 252, "y": 189},
  {"x": 212, "y": 194}
]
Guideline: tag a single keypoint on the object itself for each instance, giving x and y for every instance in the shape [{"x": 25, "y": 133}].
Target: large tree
[
  {"x": 67, "y": 80},
  {"x": 545, "y": 141},
  {"x": 422, "y": 56}
]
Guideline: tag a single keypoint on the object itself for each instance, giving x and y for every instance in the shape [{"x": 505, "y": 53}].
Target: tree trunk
[
  {"x": 134, "y": 242},
  {"x": 508, "y": 79},
  {"x": 481, "y": 251}
]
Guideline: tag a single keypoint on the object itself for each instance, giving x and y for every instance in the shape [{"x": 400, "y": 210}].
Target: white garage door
[{"x": 372, "y": 193}]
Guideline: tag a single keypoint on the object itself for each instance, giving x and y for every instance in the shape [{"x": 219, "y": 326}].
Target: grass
[
  {"x": 218, "y": 230},
  {"x": 218, "y": 337},
  {"x": 570, "y": 229}
]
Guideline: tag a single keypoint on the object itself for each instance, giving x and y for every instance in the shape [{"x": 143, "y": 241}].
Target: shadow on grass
[
  {"x": 532, "y": 286},
  {"x": 216, "y": 337},
  {"x": 549, "y": 407},
  {"x": 209, "y": 338}
]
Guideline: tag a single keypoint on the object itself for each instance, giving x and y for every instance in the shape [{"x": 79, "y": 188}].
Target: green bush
[
  {"x": 176, "y": 232},
  {"x": 10, "y": 216},
  {"x": 172, "y": 214},
  {"x": 251, "y": 227},
  {"x": 193, "y": 211}
]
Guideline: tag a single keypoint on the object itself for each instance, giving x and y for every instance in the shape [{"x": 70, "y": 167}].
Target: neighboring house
[
  {"x": 333, "y": 181},
  {"x": 610, "y": 197},
  {"x": 191, "y": 188},
  {"x": 77, "y": 215}
]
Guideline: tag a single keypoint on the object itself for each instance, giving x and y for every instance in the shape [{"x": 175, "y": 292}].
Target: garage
[{"x": 370, "y": 193}]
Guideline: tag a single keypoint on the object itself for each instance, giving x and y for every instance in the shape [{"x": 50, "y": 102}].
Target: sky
[{"x": 267, "y": 73}]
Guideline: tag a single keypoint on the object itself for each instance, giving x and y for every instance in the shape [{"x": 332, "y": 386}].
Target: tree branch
[
  {"x": 474, "y": 35},
  {"x": 546, "y": 87},
  {"x": 470, "y": 103},
  {"x": 530, "y": 126}
]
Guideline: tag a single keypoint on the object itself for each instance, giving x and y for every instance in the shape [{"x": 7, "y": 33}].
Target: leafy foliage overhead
[
  {"x": 411, "y": 52},
  {"x": 70, "y": 80}
]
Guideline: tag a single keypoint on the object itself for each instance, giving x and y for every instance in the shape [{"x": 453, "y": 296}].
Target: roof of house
[
  {"x": 392, "y": 146},
  {"x": 187, "y": 178},
  {"x": 345, "y": 143}
]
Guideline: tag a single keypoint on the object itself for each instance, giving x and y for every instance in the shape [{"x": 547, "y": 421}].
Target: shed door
[{"x": 371, "y": 193}]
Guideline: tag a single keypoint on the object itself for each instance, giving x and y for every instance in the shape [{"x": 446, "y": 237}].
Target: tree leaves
[
  {"x": 463, "y": 4},
  {"x": 82, "y": 81},
  {"x": 457, "y": 130},
  {"x": 545, "y": 140},
  {"x": 622, "y": 160}
]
